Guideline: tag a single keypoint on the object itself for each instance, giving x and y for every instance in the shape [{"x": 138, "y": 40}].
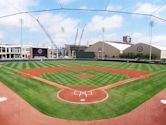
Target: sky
[{"x": 62, "y": 25}]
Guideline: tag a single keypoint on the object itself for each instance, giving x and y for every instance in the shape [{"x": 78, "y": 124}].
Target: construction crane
[
  {"x": 82, "y": 34},
  {"x": 81, "y": 37},
  {"x": 42, "y": 27},
  {"x": 49, "y": 36},
  {"x": 76, "y": 36}
]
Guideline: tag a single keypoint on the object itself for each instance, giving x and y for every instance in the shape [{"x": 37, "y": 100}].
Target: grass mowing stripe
[
  {"x": 68, "y": 78},
  {"x": 123, "y": 98},
  {"x": 27, "y": 66},
  {"x": 13, "y": 65},
  {"x": 48, "y": 64},
  {"x": 20, "y": 65},
  {"x": 36, "y": 64}
]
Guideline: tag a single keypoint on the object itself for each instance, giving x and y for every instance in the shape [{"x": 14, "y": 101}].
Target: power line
[
  {"x": 160, "y": 18},
  {"x": 103, "y": 10},
  {"x": 75, "y": 9},
  {"x": 84, "y": 10}
]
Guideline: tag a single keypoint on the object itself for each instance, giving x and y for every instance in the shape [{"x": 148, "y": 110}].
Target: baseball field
[{"x": 84, "y": 90}]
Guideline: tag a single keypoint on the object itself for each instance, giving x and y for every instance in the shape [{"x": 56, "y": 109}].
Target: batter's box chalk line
[{"x": 83, "y": 93}]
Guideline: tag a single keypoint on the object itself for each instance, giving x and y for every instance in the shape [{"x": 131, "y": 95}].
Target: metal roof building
[
  {"x": 143, "y": 48},
  {"x": 108, "y": 49}
]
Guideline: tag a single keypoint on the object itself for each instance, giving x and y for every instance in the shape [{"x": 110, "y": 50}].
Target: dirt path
[
  {"x": 124, "y": 82},
  {"x": 44, "y": 80},
  {"x": 40, "y": 71},
  {"x": 67, "y": 93},
  {"x": 135, "y": 75},
  {"x": 16, "y": 111}
]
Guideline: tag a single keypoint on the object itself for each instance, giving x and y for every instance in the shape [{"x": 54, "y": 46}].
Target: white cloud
[
  {"x": 1, "y": 35},
  {"x": 98, "y": 22},
  {"x": 56, "y": 23},
  {"x": 139, "y": 37},
  {"x": 10, "y": 6},
  {"x": 159, "y": 40},
  {"x": 93, "y": 38},
  {"x": 66, "y": 1},
  {"x": 147, "y": 8},
  {"x": 52, "y": 22},
  {"x": 111, "y": 7},
  {"x": 14, "y": 22},
  {"x": 84, "y": 7}
]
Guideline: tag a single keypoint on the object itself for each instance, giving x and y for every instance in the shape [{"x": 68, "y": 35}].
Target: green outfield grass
[{"x": 122, "y": 99}]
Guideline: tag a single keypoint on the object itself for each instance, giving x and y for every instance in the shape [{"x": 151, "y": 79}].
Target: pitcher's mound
[
  {"x": 84, "y": 75},
  {"x": 82, "y": 95}
]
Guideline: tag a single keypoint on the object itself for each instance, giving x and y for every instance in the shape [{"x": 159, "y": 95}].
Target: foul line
[{"x": 99, "y": 88}]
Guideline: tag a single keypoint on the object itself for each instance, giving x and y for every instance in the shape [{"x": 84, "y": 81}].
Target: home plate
[
  {"x": 82, "y": 100},
  {"x": 2, "y": 99}
]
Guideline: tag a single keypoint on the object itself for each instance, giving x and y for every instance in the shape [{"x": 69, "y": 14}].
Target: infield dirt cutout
[
  {"x": 84, "y": 75},
  {"x": 84, "y": 94}
]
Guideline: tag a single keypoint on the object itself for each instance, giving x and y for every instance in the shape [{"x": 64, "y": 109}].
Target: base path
[
  {"x": 16, "y": 111},
  {"x": 92, "y": 95},
  {"x": 40, "y": 71}
]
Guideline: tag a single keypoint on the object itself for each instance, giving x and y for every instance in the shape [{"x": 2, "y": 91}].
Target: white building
[
  {"x": 26, "y": 52},
  {"x": 10, "y": 51}
]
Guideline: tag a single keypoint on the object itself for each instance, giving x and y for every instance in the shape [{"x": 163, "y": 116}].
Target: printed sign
[{"x": 139, "y": 48}]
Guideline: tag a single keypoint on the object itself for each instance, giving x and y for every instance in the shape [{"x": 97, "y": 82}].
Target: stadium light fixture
[
  {"x": 151, "y": 23},
  {"x": 21, "y": 34},
  {"x": 103, "y": 30}
]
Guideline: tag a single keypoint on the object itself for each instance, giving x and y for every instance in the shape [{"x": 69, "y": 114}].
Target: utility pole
[{"x": 151, "y": 36}]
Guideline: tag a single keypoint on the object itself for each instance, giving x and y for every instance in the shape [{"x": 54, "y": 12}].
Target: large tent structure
[
  {"x": 108, "y": 49},
  {"x": 143, "y": 48}
]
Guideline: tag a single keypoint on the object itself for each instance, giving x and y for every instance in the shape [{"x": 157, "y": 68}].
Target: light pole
[
  {"x": 103, "y": 30},
  {"x": 151, "y": 36},
  {"x": 21, "y": 39}
]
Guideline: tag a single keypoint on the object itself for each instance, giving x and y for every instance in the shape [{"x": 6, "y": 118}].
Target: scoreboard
[{"x": 39, "y": 52}]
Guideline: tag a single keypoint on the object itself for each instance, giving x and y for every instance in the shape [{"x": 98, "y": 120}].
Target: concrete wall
[
  {"x": 101, "y": 49},
  {"x": 163, "y": 54}
]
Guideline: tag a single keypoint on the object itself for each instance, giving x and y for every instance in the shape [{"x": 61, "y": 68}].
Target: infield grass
[
  {"x": 68, "y": 78},
  {"x": 122, "y": 99}
]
